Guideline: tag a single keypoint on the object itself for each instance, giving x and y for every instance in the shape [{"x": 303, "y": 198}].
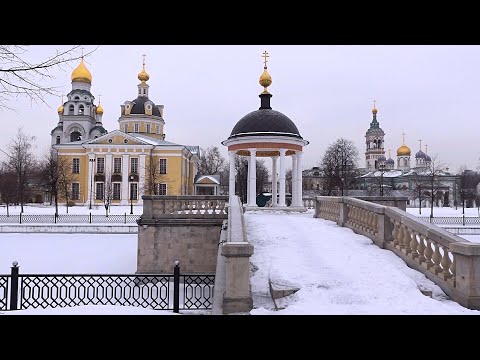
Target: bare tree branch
[{"x": 19, "y": 77}]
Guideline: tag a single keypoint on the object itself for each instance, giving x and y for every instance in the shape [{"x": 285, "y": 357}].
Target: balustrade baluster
[
  {"x": 414, "y": 245},
  {"x": 395, "y": 232},
  {"x": 428, "y": 254},
  {"x": 421, "y": 248},
  {"x": 436, "y": 258},
  {"x": 445, "y": 264}
]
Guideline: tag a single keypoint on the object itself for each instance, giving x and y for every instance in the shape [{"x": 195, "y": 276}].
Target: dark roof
[
  {"x": 98, "y": 127},
  {"x": 56, "y": 127},
  {"x": 420, "y": 155},
  {"x": 80, "y": 91},
  {"x": 265, "y": 122},
  {"x": 139, "y": 106}
]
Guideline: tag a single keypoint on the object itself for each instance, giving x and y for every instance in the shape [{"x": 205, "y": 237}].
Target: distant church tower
[
  {"x": 79, "y": 119},
  {"x": 374, "y": 143},
  {"x": 403, "y": 156},
  {"x": 141, "y": 115}
]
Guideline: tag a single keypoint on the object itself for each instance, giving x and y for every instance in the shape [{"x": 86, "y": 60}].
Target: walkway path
[{"x": 337, "y": 271}]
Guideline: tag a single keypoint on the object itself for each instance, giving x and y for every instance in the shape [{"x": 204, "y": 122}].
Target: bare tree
[
  {"x": 66, "y": 177},
  {"x": 379, "y": 183},
  {"x": 107, "y": 192},
  {"x": 432, "y": 175},
  {"x": 211, "y": 162},
  {"x": 468, "y": 186},
  {"x": 154, "y": 176},
  {"x": 8, "y": 186},
  {"x": 21, "y": 161},
  {"x": 241, "y": 166},
  {"x": 418, "y": 186},
  {"x": 21, "y": 77},
  {"x": 339, "y": 163},
  {"x": 50, "y": 171}
]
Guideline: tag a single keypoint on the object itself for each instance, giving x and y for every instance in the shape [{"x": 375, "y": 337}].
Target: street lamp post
[
  {"x": 92, "y": 161},
  {"x": 420, "y": 199},
  {"x": 131, "y": 195},
  {"x": 382, "y": 170}
]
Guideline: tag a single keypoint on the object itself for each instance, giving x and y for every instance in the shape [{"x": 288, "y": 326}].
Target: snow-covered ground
[
  {"x": 75, "y": 254},
  {"x": 337, "y": 271},
  {"x": 90, "y": 310},
  {"x": 444, "y": 211},
  {"x": 69, "y": 253},
  {"x": 77, "y": 209}
]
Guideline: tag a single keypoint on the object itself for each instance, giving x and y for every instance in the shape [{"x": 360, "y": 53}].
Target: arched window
[
  {"x": 58, "y": 139},
  {"x": 75, "y": 136},
  {"x": 77, "y": 97},
  {"x": 71, "y": 109},
  {"x": 81, "y": 109}
]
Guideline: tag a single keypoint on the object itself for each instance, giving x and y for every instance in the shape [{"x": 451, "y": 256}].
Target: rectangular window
[
  {"x": 163, "y": 166},
  {"x": 100, "y": 186},
  {"x": 133, "y": 191},
  {"x": 117, "y": 165},
  {"x": 134, "y": 165},
  {"x": 75, "y": 191},
  {"x": 58, "y": 139},
  {"x": 116, "y": 191},
  {"x": 148, "y": 128},
  {"x": 136, "y": 128},
  {"x": 158, "y": 129},
  {"x": 100, "y": 165},
  {"x": 160, "y": 189},
  {"x": 76, "y": 166},
  {"x": 126, "y": 128}
]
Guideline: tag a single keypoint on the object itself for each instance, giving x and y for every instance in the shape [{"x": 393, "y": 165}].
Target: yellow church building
[{"x": 126, "y": 163}]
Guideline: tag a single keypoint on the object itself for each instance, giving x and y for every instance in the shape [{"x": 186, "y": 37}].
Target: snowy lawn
[
  {"x": 444, "y": 211},
  {"x": 69, "y": 253},
  {"x": 337, "y": 271}
]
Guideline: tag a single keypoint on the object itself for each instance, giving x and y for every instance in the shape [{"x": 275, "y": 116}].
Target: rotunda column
[
  {"x": 274, "y": 180},
  {"x": 231, "y": 179},
  {"x": 299, "y": 180},
  {"x": 252, "y": 178},
  {"x": 281, "y": 200},
  {"x": 294, "y": 180}
]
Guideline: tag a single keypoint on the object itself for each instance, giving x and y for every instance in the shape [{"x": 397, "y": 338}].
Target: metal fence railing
[
  {"x": 69, "y": 219},
  {"x": 452, "y": 220},
  {"x": 155, "y": 291}
]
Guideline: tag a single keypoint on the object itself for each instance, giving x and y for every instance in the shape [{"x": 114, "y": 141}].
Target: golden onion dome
[
  {"x": 60, "y": 109},
  {"x": 374, "y": 110},
  {"x": 143, "y": 76},
  {"x": 404, "y": 150},
  {"x": 99, "y": 109},
  {"x": 265, "y": 79},
  {"x": 81, "y": 74}
]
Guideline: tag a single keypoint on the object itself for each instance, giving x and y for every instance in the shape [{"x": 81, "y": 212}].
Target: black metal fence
[
  {"x": 69, "y": 219},
  {"x": 452, "y": 220},
  {"x": 159, "y": 292}
]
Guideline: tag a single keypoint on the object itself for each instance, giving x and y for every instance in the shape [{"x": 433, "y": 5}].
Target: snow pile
[{"x": 337, "y": 271}]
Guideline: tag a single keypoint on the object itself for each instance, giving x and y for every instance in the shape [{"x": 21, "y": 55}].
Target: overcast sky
[{"x": 429, "y": 92}]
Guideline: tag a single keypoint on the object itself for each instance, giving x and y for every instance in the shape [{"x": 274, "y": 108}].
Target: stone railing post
[
  {"x": 467, "y": 273},
  {"x": 237, "y": 296},
  {"x": 343, "y": 218}
]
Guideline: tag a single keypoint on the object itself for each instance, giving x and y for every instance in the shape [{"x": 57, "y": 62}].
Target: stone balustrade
[
  {"x": 309, "y": 202},
  {"x": 328, "y": 208},
  {"x": 232, "y": 293},
  {"x": 185, "y": 206},
  {"x": 448, "y": 260}
]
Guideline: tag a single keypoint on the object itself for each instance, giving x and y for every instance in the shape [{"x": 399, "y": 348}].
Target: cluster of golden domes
[{"x": 82, "y": 74}]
